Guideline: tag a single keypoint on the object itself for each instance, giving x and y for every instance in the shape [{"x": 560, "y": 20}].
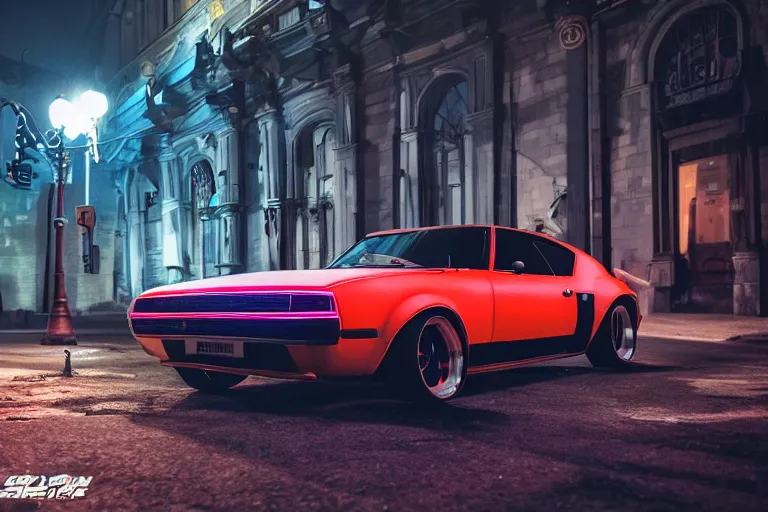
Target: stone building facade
[{"x": 263, "y": 135}]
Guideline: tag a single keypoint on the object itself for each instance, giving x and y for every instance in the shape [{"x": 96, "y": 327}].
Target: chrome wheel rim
[
  {"x": 441, "y": 357},
  {"x": 622, "y": 333}
]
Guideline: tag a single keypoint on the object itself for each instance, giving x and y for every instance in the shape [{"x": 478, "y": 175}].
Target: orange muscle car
[{"x": 421, "y": 308}]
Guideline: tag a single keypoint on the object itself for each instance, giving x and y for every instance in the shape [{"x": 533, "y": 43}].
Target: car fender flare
[
  {"x": 634, "y": 311},
  {"x": 410, "y": 309}
]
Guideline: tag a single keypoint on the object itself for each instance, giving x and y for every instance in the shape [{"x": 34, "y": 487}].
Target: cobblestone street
[{"x": 684, "y": 430}]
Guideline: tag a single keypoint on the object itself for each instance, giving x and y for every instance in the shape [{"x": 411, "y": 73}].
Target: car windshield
[{"x": 460, "y": 247}]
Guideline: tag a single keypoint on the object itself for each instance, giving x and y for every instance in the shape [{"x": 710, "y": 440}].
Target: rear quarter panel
[
  {"x": 592, "y": 275},
  {"x": 388, "y": 303}
]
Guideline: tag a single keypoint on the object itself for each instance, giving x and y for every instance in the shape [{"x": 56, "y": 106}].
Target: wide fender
[
  {"x": 607, "y": 290},
  {"x": 408, "y": 309}
]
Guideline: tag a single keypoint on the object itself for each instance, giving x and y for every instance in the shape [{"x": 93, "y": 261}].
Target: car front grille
[
  {"x": 297, "y": 331},
  {"x": 237, "y": 303}
]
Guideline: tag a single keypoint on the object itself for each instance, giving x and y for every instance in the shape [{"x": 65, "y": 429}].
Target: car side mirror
[{"x": 518, "y": 267}]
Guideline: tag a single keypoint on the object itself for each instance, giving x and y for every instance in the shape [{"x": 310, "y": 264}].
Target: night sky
[{"x": 48, "y": 29}]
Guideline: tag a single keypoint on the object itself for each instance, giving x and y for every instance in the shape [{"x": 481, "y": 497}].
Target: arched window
[
  {"x": 203, "y": 185},
  {"x": 698, "y": 57},
  {"x": 444, "y": 177}
]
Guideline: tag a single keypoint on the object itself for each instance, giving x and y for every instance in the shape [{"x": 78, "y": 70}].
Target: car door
[{"x": 535, "y": 303}]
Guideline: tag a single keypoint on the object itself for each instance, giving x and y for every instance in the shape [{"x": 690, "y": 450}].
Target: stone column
[
  {"x": 746, "y": 283},
  {"x": 573, "y": 36},
  {"x": 745, "y": 193},
  {"x": 135, "y": 221},
  {"x": 347, "y": 135},
  {"x": 272, "y": 170},
  {"x": 121, "y": 292},
  {"x": 229, "y": 259},
  {"x": 172, "y": 221},
  {"x": 478, "y": 169},
  {"x": 409, "y": 179}
]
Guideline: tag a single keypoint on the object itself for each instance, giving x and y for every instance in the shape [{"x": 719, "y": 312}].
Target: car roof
[
  {"x": 452, "y": 226},
  {"x": 455, "y": 226}
]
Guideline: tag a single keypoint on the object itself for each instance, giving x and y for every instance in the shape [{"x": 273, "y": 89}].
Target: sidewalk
[{"x": 704, "y": 327}]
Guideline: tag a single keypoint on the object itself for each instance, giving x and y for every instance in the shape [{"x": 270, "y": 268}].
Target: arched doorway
[
  {"x": 443, "y": 189},
  {"x": 702, "y": 216},
  {"x": 202, "y": 255},
  {"x": 315, "y": 170}
]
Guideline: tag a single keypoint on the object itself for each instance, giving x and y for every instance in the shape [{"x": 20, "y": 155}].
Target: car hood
[{"x": 278, "y": 280}]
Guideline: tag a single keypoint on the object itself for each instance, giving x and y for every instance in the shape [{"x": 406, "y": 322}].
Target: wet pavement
[{"x": 687, "y": 429}]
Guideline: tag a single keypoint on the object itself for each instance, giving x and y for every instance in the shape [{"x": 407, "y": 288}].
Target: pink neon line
[
  {"x": 236, "y": 291},
  {"x": 240, "y": 316}
]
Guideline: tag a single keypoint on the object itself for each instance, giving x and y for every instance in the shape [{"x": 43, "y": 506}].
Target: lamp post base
[
  {"x": 59, "y": 331},
  {"x": 58, "y": 339}
]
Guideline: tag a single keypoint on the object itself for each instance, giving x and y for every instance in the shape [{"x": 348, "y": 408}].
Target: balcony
[{"x": 296, "y": 36}]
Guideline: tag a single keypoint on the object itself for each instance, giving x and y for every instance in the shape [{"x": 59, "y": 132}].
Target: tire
[
  {"x": 615, "y": 342},
  {"x": 427, "y": 361},
  {"x": 208, "y": 381}
]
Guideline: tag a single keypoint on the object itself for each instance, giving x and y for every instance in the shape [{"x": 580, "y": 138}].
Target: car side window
[
  {"x": 561, "y": 259},
  {"x": 512, "y": 246}
]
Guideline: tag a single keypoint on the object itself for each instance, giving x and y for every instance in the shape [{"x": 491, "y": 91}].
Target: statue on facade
[
  {"x": 272, "y": 231},
  {"x": 555, "y": 222},
  {"x": 252, "y": 63}
]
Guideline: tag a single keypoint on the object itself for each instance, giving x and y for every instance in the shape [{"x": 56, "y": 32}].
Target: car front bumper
[
  {"x": 345, "y": 358},
  {"x": 276, "y": 333}
]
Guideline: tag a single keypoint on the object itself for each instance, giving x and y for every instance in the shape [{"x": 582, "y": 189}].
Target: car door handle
[{"x": 567, "y": 292}]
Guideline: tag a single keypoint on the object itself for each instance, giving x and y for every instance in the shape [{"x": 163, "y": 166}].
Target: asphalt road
[{"x": 686, "y": 430}]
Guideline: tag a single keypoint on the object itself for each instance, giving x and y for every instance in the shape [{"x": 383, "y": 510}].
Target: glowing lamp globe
[
  {"x": 72, "y": 132},
  {"x": 92, "y": 104},
  {"x": 61, "y": 112}
]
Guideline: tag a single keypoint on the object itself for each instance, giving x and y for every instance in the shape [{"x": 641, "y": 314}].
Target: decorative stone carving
[{"x": 571, "y": 31}]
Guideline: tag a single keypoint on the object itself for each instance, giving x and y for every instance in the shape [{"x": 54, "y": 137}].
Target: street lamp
[{"x": 69, "y": 120}]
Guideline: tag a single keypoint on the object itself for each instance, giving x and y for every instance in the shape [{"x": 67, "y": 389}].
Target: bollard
[{"x": 67, "y": 364}]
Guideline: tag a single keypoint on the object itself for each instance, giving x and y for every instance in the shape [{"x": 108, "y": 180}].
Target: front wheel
[
  {"x": 207, "y": 381},
  {"x": 427, "y": 359},
  {"x": 615, "y": 342}
]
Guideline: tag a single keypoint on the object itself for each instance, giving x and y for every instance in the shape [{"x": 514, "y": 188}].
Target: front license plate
[{"x": 215, "y": 348}]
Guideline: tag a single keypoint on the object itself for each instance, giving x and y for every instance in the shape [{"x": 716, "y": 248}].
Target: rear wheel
[
  {"x": 208, "y": 381},
  {"x": 427, "y": 360},
  {"x": 615, "y": 342}
]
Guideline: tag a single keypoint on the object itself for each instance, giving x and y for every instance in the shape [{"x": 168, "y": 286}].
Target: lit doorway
[{"x": 704, "y": 273}]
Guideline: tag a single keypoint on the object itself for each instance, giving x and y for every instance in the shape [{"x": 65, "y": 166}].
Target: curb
[
  {"x": 674, "y": 337},
  {"x": 750, "y": 338}
]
